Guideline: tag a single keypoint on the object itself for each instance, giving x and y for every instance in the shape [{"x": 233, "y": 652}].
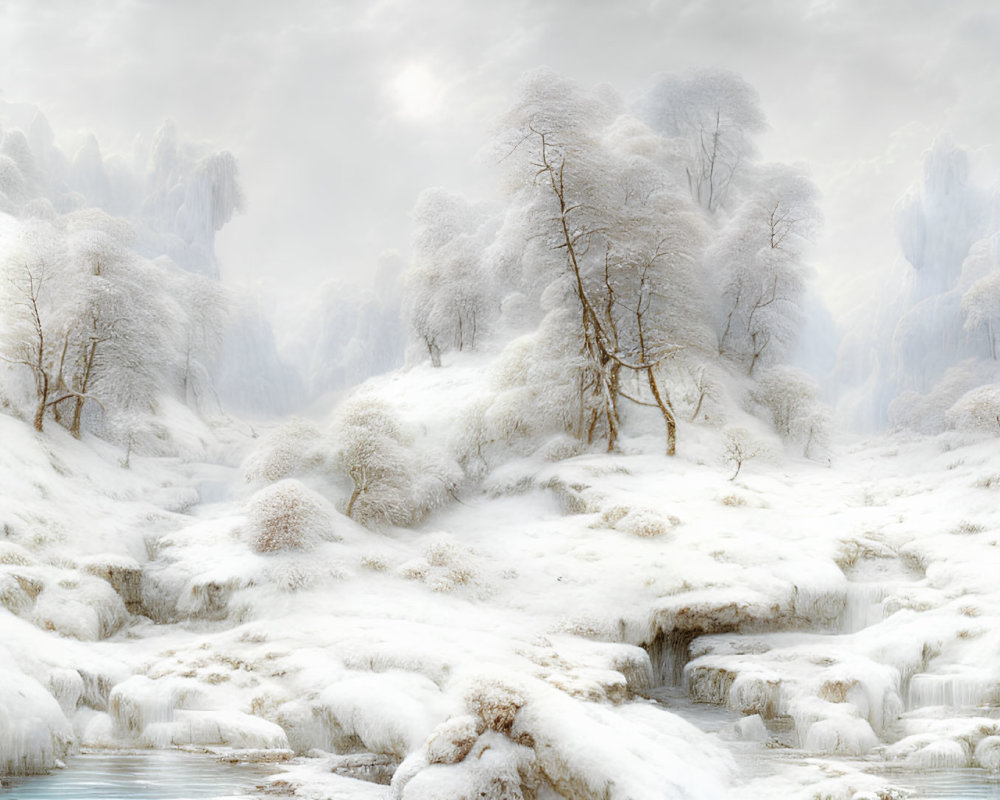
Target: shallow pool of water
[
  {"x": 147, "y": 775},
  {"x": 955, "y": 784}
]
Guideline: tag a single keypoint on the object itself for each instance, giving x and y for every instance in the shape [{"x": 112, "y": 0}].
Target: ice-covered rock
[{"x": 34, "y": 732}]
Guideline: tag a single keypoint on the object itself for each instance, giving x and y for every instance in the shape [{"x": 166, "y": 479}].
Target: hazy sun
[{"x": 415, "y": 91}]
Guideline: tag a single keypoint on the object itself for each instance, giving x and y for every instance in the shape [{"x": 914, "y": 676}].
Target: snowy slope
[{"x": 515, "y": 642}]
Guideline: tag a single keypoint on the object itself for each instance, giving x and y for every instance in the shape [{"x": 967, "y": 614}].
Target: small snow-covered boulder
[
  {"x": 452, "y": 740},
  {"x": 123, "y": 573},
  {"x": 79, "y": 606}
]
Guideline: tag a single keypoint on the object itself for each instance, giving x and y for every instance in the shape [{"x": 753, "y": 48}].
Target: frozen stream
[
  {"x": 144, "y": 775},
  {"x": 757, "y": 763},
  {"x": 767, "y": 752}
]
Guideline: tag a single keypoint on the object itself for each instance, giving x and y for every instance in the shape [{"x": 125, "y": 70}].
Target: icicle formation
[{"x": 33, "y": 731}]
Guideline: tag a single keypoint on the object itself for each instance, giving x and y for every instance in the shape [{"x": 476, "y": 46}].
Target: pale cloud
[{"x": 342, "y": 112}]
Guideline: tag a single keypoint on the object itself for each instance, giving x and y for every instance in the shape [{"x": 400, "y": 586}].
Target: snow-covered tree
[
  {"x": 760, "y": 256},
  {"x": 392, "y": 481},
  {"x": 620, "y": 244},
  {"x": 981, "y": 304},
  {"x": 714, "y": 114},
  {"x": 34, "y": 329},
  {"x": 791, "y": 398},
  {"x": 449, "y": 295},
  {"x": 740, "y": 447}
]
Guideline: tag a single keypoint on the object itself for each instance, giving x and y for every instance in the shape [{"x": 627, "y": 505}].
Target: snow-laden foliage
[
  {"x": 740, "y": 447},
  {"x": 287, "y": 516},
  {"x": 791, "y": 398},
  {"x": 392, "y": 481},
  {"x": 977, "y": 410},
  {"x": 294, "y": 448},
  {"x": 112, "y": 307},
  {"x": 451, "y": 298},
  {"x": 927, "y": 412},
  {"x": 647, "y": 254}
]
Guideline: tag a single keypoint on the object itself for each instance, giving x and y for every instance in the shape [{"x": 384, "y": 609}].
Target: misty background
[{"x": 341, "y": 113}]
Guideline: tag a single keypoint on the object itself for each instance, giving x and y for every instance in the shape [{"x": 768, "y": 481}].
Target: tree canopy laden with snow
[{"x": 645, "y": 251}]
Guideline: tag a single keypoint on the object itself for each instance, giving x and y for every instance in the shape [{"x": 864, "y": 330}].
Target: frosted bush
[
  {"x": 392, "y": 481},
  {"x": 977, "y": 410},
  {"x": 929, "y": 412},
  {"x": 15, "y": 555},
  {"x": 740, "y": 447},
  {"x": 295, "y": 447},
  {"x": 644, "y": 523},
  {"x": 287, "y": 516},
  {"x": 791, "y": 399},
  {"x": 535, "y": 396}
]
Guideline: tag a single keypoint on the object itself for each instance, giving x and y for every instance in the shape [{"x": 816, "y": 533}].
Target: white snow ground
[{"x": 847, "y": 613}]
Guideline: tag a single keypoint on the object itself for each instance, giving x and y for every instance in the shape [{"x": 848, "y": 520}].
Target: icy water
[
  {"x": 153, "y": 775},
  {"x": 754, "y": 760},
  {"x": 957, "y": 784}
]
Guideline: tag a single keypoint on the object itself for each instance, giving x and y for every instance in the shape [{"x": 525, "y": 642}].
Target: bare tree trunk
[
  {"x": 43, "y": 400},
  {"x": 668, "y": 413}
]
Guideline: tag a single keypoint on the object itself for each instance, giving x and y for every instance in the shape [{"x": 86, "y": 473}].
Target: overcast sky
[{"x": 341, "y": 111}]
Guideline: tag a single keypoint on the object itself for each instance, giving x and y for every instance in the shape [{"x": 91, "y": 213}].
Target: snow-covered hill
[{"x": 532, "y": 637}]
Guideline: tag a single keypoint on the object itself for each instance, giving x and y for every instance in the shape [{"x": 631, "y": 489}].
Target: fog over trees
[
  {"x": 638, "y": 256},
  {"x": 634, "y": 255}
]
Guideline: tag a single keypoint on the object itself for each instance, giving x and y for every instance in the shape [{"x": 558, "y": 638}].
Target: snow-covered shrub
[
  {"x": 287, "y": 516},
  {"x": 929, "y": 412},
  {"x": 537, "y": 384},
  {"x": 791, "y": 399},
  {"x": 740, "y": 447},
  {"x": 644, "y": 523},
  {"x": 291, "y": 449},
  {"x": 976, "y": 410},
  {"x": 392, "y": 481}
]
